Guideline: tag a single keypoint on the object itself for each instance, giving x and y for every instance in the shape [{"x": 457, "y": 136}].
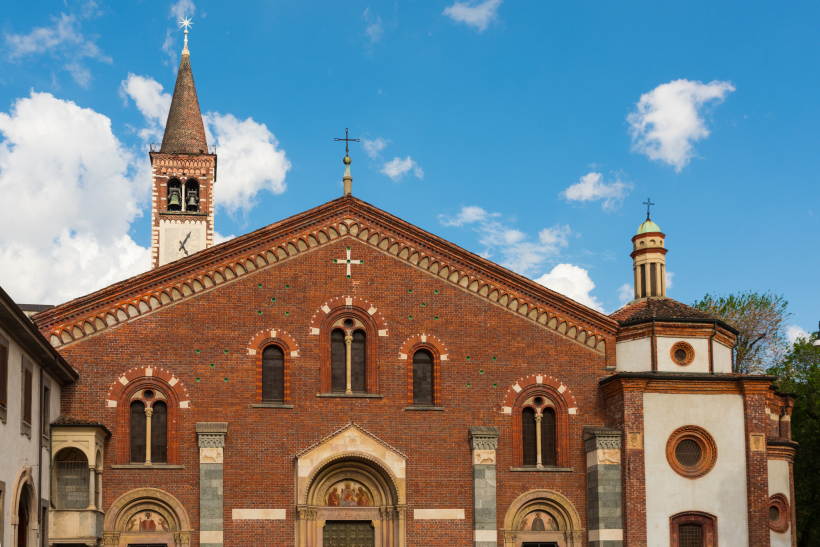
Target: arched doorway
[
  {"x": 24, "y": 511},
  {"x": 147, "y": 516},
  {"x": 351, "y": 501},
  {"x": 542, "y": 518}
]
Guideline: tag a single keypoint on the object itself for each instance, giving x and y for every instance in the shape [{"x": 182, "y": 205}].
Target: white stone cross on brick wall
[{"x": 347, "y": 262}]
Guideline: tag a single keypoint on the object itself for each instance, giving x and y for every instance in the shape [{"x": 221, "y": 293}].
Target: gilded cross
[{"x": 347, "y": 262}]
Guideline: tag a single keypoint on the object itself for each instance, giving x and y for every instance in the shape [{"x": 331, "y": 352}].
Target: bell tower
[
  {"x": 183, "y": 176},
  {"x": 649, "y": 259}
]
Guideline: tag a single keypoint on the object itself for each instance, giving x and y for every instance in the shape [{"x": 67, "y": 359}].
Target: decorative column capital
[
  {"x": 601, "y": 438},
  {"x": 211, "y": 434},
  {"x": 483, "y": 437}
]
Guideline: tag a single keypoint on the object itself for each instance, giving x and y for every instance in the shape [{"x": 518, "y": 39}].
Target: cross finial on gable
[{"x": 347, "y": 179}]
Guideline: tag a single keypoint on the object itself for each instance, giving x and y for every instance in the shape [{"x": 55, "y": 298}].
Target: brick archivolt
[
  {"x": 183, "y": 288},
  {"x": 534, "y": 380},
  {"x": 416, "y": 340},
  {"x": 117, "y": 388},
  {"x": 347, "y": 302},
  {"x": 270, "y": 335}
]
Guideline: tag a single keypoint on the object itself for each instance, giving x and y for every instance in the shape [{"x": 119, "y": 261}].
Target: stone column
[
  {"x": 211, "y": 437},
  {"x": 484, "y": 441},
  {"x": 604, "y": 493}
]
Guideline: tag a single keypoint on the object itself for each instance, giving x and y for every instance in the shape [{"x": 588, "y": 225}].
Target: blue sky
[{"x": 527, "y": 131}]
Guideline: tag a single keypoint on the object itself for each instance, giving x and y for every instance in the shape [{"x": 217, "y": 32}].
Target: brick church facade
[{"x": 342, "y": 377}]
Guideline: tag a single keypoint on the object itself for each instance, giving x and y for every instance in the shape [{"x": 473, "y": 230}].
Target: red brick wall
[{"x": 262, "y": 442}]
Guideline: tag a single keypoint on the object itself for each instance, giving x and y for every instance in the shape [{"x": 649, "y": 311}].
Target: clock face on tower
[{"x": 180, "y": 239}]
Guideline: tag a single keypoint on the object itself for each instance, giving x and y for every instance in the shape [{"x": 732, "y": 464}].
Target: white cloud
[
  {"x": 374, "y": 147},
  {"x": 467, "y": 215},
  {"x": 625, "y": 293},
  {"x": 668, "y": 120},
  {"x": 592, "y": 187},
  {"x": 518, "y": 251},
  {"x": 668, "y": 277},
  {"x": 183, "y": 8},
  {"x": 793, "y": 332},
  {"x": 250, "y": 160},
  {"x": 150, "y": 100},
  {"x": 473, "y": 13},
  {"x": 76, "y": 191},
  {"x": 374, "y": 28},
  {"x": 398, "y": 167},
  {"x": 572, "y": 281},
  {"x": 63, "y": 40}
]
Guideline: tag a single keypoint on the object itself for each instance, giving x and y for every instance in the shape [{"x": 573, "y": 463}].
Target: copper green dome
[{"x": 647, "y": 226}]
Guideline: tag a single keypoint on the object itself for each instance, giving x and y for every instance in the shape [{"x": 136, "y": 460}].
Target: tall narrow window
[
  {"x": 159, "y": 432},
  {"x": 358, "y": 357},
  {"x": 338, "y": 368},
  {"x": 137, "y": 431},
  {"x": 643, "y": 280},
  {"x": 528, "y": 436},
  {"x": 27, "y": 387},
  {"x": 45, "y": 412},
  {"x": 653, "y": 276},
  {"x": 273, "y": 375},
  {"x": 4, "y": 374},
  {"x": 71, "y": 469},
  {"x": 548, "y": 436},
  {"x": 423, "y": 378}
]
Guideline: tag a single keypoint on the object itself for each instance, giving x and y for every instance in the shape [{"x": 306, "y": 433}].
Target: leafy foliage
[
  {"x": 799, "y": 373},
  {"x": 760, "y": 319}
]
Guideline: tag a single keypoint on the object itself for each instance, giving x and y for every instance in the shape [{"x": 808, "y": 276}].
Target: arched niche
[
  {"x": 351, "y": 476},
  {"x": 24, "y": 509},
  {"x": 147, "y": 516},
  {"x": 542, "y": 516}
]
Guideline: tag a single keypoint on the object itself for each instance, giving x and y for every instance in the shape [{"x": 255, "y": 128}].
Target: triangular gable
[{"x": 278, "y": 242}]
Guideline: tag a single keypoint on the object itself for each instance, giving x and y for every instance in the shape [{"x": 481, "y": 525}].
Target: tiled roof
[
  {"x": 661, "y": 309},
  {"x": 184, "y": 130}
]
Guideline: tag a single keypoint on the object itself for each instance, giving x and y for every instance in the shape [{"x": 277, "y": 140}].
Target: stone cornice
[{"x": 278, "y": 242}]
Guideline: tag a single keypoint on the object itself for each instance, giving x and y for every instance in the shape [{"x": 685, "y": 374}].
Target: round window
[
  {"x": 691, "y": 451},
  {"x": 682, "y": 353},
  {"x": 779, "y": 513}
]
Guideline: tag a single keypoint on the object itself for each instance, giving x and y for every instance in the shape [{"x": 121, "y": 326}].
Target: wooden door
[{"x": 348, "y": 533}]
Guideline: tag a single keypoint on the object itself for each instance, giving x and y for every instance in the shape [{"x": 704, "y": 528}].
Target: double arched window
[
  {"x": 349, "y": 356},
  {"x": 182, "y": 197},
  {"x": 148, "y": 427},
  {"x": 541, "y": 428}
]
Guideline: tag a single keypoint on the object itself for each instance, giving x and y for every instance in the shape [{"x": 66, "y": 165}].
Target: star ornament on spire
[{"x": 185, "y": 23}]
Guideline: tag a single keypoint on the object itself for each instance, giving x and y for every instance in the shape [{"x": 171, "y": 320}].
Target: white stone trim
[
  {"x": 486, "y": 535},
  {"x": 210, "y": 536},
  {"x": 438, "y": 514},
  {"x": 609, "y": 534},
  {"x": 258, "y": 514}
]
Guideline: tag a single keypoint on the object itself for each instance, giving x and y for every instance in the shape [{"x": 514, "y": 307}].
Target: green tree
[
  {"x": 799, "y": 373},
  {"x": 760, "y": 319}
]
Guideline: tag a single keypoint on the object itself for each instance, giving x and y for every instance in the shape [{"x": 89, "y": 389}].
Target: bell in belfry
[
  {"x": 192, "y": 203},
  {"x": 174, "y": 203}
]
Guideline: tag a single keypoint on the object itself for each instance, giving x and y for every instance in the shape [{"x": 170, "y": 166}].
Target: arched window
[
  {"x": 273, "y": 374},
  {"x": 541, "y": 429},
  {"x": 25, "y": 516},
  {"x": 72, "y": 477},
  {"x": 159, "y": 432},
  {"x": 174, "y": 195},
  {"x": 137, "y": 431},
  {"x": 348, "y": 356},
  {"x": 693, "y": 529},
  {"x": 423, "y": 378},
  {"x": 149, "y": 427},
  {"x": 192, "y": 195}
]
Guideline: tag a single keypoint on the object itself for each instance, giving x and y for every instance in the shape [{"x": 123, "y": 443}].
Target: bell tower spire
[
  {"x": 184, "y": 173},
  {"x": 649, "y": 258}
]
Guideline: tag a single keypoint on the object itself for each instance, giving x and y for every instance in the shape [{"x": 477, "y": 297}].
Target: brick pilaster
[
  {"x": 755, "y": 392},
  {"x": 634, "y": 479}
]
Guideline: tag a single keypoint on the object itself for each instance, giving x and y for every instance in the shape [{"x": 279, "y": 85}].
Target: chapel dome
[{"x": 647, "y": 226}]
